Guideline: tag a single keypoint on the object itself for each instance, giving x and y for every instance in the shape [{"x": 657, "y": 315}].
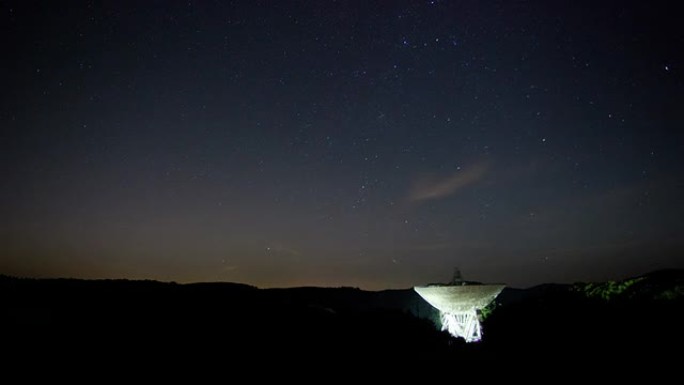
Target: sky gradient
[{"x": 348, "y": 143}]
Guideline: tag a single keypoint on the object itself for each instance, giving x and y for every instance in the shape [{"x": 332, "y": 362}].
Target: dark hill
[{"x": 540, "y": 324}]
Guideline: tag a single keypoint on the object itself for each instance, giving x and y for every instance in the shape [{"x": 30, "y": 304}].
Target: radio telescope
[{"x": 459, "y": 304}]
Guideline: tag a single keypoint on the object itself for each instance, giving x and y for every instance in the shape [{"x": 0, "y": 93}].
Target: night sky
[{"x": 349, "y": 143}]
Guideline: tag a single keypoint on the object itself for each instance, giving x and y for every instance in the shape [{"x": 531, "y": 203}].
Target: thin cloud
[{"x": 441, "y": 188}]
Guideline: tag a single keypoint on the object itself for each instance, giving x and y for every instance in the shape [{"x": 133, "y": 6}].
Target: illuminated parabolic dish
[{"x": 459, "y": 306}]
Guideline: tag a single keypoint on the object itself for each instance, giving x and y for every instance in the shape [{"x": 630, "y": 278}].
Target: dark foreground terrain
[{"x": 637, "y": 320}]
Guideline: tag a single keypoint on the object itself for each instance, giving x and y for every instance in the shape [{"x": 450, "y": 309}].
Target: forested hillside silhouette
[{"x": 638, "y": 318}]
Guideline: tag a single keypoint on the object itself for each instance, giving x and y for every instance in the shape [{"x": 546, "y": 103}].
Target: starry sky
[{"x": 375, "y": 144}]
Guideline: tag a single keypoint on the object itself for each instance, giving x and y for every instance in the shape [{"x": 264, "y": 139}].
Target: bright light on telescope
[{"x": 459, "y": 305}]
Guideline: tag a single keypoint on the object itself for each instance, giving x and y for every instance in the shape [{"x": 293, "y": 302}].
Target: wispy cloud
[{"x": 442, "y": 187}]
